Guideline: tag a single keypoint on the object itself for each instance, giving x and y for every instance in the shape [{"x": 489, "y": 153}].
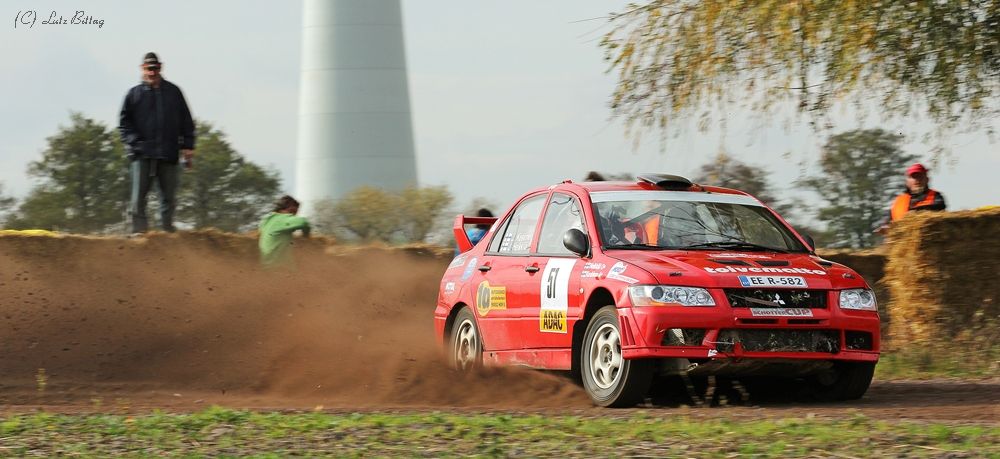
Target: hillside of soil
[{"x": 191, "y": 315}]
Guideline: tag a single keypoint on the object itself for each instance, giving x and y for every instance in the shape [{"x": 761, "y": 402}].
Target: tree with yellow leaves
[{"x": 678, "y": 59}]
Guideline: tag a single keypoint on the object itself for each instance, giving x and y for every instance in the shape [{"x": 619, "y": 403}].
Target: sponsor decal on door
[{"x": 489, "y": 298}]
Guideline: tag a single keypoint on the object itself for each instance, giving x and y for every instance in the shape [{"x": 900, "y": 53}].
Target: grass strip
[
  {"x": 221, "y": 432},
  {"x": 958, "y": 358}
]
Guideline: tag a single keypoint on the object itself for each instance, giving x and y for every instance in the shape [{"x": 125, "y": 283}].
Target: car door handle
[
  {"x": 531, "y": 269},
  {"x": 485, "y": 268}
]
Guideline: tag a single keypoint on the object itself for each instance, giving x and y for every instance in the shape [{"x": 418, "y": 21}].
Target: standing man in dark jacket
[{"x": 157, "y": 129}]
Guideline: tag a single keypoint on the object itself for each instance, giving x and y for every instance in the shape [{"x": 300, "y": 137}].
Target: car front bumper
[{"x": 724, "y": 332}]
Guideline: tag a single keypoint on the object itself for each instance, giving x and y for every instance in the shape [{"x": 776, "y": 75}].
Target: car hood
[{"x": 724, "y": 269}]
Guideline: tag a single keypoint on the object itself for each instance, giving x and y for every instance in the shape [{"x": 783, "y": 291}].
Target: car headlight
[
  {"x": 669, "y": 295},
  {"x": 860, "y": 299}
]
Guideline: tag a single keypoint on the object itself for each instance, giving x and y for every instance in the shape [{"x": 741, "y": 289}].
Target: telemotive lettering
[{"x": 733, "y": 269}]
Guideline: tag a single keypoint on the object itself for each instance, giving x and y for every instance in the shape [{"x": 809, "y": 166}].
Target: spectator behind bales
[
  {"x": 476, "y": 234},
  {"x": 276, "y": 233},
  {"x": 917, "y": 197}
]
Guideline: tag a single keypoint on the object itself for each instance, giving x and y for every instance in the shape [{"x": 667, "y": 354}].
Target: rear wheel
[
  {"x": 609, "y": 379},
  {"x": 466, "y": 350},
  {"x": 845, "y": 381}
]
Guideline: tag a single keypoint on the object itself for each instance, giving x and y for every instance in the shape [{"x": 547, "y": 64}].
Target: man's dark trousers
[{"x": 143, "y": 173}]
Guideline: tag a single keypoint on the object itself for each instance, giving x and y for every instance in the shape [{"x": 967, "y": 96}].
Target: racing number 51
[{"x": 550, "y": 286}]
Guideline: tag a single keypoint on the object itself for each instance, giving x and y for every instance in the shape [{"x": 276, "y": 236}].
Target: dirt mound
[{"x": 194, "y": 313}]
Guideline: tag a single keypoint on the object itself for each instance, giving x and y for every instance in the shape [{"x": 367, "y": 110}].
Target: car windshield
[{"x": 677, "y": 220}]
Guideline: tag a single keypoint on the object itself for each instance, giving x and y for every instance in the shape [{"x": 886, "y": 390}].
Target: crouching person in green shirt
[{"x": 276, "y": 233}]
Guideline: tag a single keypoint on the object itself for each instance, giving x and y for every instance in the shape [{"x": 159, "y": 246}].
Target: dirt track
[{"x": 164, "y": 324}]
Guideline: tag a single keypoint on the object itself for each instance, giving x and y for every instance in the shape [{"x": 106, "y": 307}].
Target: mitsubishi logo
[{"x": 777, "y": 298}]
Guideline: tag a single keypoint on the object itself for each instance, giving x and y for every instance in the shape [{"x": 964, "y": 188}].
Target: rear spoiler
[{"x": 461, "y": 238}]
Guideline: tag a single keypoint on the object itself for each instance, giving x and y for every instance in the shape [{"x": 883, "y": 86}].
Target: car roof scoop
[{"x": 666, "y": 181}]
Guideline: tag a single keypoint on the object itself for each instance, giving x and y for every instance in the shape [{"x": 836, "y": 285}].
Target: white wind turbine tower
[{"x": 354, "y": 103}]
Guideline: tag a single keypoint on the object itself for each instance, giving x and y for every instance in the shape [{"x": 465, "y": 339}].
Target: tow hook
[{"x": 738, "y": 351}]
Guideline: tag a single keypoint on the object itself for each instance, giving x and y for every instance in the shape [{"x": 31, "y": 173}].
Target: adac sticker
[
  {"x": 555, "y": 295},
  {"x": 552, "y": 321},
  {"x": 617, "y": 272},
  {"x": 488, "y": 298},
  {"x": 469, "y": 268},
  {"x": 458, "y": 261}
]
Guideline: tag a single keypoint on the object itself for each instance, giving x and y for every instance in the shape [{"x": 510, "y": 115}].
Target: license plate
[
  {"x": 773, "y": 281},
  {"x": 781, "y": 312}
]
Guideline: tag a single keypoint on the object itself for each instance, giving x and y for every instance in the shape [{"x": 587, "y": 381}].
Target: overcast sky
[{"x": 505, "y": 95}]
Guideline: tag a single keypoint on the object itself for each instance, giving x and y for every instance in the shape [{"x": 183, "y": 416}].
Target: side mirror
[
  {"x": 577, "y": 242},
  {"x": 810, "y": 241}
]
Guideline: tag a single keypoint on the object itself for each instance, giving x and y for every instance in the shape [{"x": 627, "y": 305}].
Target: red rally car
[{"x": 622, "y": 283}]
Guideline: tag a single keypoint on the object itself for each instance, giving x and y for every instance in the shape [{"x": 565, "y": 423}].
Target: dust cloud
[{"x": 182, "y": 316}]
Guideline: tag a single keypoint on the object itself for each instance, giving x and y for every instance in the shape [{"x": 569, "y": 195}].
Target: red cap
[{"x": 916, "y": 169}]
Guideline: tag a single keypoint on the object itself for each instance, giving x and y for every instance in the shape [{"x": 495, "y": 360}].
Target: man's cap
[
  {"x": 150, "y": 60},
  {"x": 916, "y": 169}
]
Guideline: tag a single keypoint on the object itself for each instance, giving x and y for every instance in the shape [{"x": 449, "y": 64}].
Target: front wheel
[
  {"x": 845, "y": 381},
  {"x": 609, "y": 379},
  {"x": 466, "y": 351}
]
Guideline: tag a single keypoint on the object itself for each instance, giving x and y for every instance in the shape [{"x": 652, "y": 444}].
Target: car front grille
[
  {"x": 776, "y": 298},
  {"x": 779, "y": 340}
]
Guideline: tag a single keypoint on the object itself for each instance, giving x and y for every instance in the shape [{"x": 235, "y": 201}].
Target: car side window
[
  {"x": 498, "y": 237},
  {"x": 515, "y": 237},
  {"x": 562, "y": 215}
]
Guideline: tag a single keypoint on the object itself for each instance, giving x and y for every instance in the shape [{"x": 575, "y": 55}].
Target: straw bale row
[{"x": 943, "y": 274}]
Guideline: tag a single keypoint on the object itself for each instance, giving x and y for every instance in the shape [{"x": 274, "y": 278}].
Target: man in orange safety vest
[{"x": 918, "y": 196}]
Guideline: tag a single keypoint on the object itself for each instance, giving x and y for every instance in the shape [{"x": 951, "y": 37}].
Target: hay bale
[
  {"x": 870, "y": 264},
  {"x": 943, "y": 273}
]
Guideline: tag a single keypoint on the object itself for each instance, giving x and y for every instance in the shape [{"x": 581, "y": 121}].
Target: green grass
[
  {"x": 957, "y": 359},
  {"x": 219, "y": 432}
]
